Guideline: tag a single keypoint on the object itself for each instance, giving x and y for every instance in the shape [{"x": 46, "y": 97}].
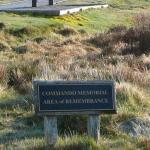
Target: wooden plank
[
  {"x": 50, "y": 130},
  {"x": 93, "y": 126}
]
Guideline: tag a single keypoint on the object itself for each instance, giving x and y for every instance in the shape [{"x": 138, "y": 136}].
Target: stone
[
  {"x": 136, "y": 127},
  {"x": 21, "y": 49}
]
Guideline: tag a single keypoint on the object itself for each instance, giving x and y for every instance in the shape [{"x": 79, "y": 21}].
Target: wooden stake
[
  {"x": 50, "y": 130},
  {"x": 51, "y": 2},
  {"x": 94, "y": 126},
  {"x": 34, "y": 3}
]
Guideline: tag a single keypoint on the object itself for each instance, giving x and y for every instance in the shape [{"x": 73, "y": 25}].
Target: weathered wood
[
  {"x": 50, "y": 130},
  {"x": 51, "y": 2},
  {"x": 94, "y": 126},
  {"x": 34, "y": 3}
]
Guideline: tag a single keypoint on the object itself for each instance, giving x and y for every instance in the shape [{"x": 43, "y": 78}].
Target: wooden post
[
  {"x": 34, "y": 3},
  {"x": 51, "y": 2},
  {"x": 94, "y": 126},
  {"x": 50, "y": 130}
]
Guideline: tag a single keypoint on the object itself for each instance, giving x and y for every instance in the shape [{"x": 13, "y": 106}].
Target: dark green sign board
[{"x": 74, "y": 97}]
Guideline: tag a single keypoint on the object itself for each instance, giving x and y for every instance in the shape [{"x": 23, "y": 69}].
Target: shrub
[
  {"x": 29, "y": 70},
  {"x": 119, "y": 28},
  {"x": 4, "y": 46},
  {"x": 67, "y": 31},
  {"x": 66, "y": 124},
  {"x": 2, "y": 25},
  {"x": 21, "y": 31},
  {"x": 39, "y": 39},
  {"x": 135, "y": 40},
  {"x": 20, "y": 76},
  {"x": 144, "y": 143},
  {"x": 143, "y": 30},
  {"x": 107, "y": 41},
  {"x": 138, "y": 37},
  {"x": 3, "y": 73},
  {"x": 15, "y": 78},
  {"x": 82, "y": 31},
  {"x": 21, "y": 49}
]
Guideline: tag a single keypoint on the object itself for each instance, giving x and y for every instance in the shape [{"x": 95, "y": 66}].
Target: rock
[
  {"x": 136, "y": 127},
  {"x": 21, "y": 49}
]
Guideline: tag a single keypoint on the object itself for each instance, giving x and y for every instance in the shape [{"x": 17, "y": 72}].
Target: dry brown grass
[
  {"x": 2, "y": 73},
  {"x": 67, "y": 31},
  {"x": 121, "y": 40}
]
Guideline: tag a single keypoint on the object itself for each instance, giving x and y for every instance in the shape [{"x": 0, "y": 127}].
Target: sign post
[
  {"x": 94, "y": 126},
  {"x": 50, "y": 130},
  {"x": 55, "y": 98}
]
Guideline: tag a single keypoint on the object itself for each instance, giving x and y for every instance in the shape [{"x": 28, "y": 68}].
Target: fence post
[
  {"x": 34, "y": 3},
  {"x": 51, "y": 2}
]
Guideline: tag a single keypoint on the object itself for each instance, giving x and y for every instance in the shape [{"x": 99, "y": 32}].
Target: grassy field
[{"x": 90, "y": 45}]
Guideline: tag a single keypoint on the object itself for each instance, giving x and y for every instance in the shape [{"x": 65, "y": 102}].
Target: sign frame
[{"x": 37, "y": 83}]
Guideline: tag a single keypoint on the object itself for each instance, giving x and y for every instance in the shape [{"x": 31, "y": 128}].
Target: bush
[
  {"x": 39, "y": 39},
  {"x": 20, "y": 76},
  {"x": 2, "y": 25},
  {"x": 107, "y": 41},
  {"x": 21, "y": 31},
  {"x": 73, "y": 123},
  {"x": 3, "y": 72},
  {"x": 4, "y": 46},
  {"x": 119, "y": 28},
  {"x": 67, "y": 31},
  {"x": 29, "y": 70},
  {"x": 135, "y": 40},
  {"x": 21, "y": 49},
  {"x": 138, "y": 37},
  {"x": 143, "y": 30},
  {"x": 82, "y": 31}
]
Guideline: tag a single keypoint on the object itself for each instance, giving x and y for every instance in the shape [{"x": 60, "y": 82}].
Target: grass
[
  {"x": 60, "y": 48},
  {"x": 129, "y": 4},
  {"x": 87, "y": 20}
]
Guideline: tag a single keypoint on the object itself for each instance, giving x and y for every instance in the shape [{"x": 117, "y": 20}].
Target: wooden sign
[
  {"x": 74, "y": 97},
  {"x": 53, "y": 98}
]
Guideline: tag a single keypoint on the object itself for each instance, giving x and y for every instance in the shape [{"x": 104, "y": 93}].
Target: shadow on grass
[
  {"x": 18, "y": 135},
  {"x": 10, "y": 102},
  {"x": 31, "y": 121}
]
